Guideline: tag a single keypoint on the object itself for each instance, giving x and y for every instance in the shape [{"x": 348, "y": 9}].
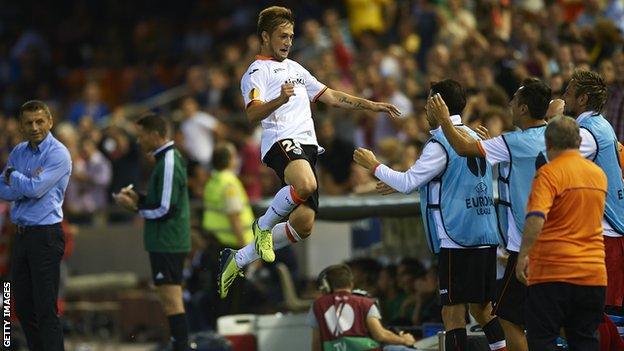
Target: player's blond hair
[
  {"x": 591, "y": 84},
  {"x": 273, "y": 17}
]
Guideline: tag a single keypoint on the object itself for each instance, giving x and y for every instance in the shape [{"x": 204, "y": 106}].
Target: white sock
[
  {"x": 282, "y": 204},
  {"x": 246, "y": 255},
  {"x": 283, "y": 235},
  {"x": 499, "y": 345}
]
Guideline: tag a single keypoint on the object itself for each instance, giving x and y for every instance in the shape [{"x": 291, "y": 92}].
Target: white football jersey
[{"x": 263, "y": 82}]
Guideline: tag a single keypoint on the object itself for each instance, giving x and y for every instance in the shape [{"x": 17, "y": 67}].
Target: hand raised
[
  {"x": 483, "y": 132},
  {"x": 437, "y": 108},
  {"x": 365, "y": 158},
  {"x": 288, "y": 90}
]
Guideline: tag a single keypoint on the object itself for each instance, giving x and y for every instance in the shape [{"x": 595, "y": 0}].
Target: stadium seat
[{"x": 291, "y": 300}]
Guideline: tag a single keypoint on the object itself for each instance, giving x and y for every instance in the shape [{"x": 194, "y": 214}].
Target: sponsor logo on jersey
[{"x": 297, "y": 80}]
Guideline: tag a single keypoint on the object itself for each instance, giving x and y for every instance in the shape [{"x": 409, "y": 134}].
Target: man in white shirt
[
  {"x": 519, "y": 154},
  {"x": 458, "y": 212},
  {"x": 585, "y": 98},
  {"x": 278, "y": 91},
  {"x": 199, "y": 130}
]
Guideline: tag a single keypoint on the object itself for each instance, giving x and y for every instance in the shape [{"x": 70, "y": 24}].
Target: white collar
[
  {"x": 585, "y": 115},
  {"x": 455, "y": 119},
  {"x": 162, "y": 147}
]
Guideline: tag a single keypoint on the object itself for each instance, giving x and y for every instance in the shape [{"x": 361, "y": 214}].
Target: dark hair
[
  {"x": 591, "y": 84},
  {"x": 432, "y": 272},
  {"x": 369, "y": 266},
  {"x": 34, "y": 106},
  {"x": 273, "y": 17},
  {"x": 494, "y": 112},
  {"x": 413, "y": 267},
  {"x": 562, "y": 133},
  {"x": 222, "y": 156},
  {"x": 391, "y": 270},
  {"x": 152, "y": 122},
  {"x": 242, "y": 125},
  {"x": 536, "y": 95},
  {"x": 452, "y": 93},
  {"x": 339, "y": 276},
  {"x": 495, "y": 95},
  {"x": 188, "y": 97}
]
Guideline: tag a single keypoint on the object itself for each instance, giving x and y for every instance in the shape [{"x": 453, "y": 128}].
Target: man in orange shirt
[{"x": 562, "y": 257}]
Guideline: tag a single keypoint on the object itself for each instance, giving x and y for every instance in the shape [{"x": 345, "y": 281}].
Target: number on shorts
[{"x": 290, "y": 145}]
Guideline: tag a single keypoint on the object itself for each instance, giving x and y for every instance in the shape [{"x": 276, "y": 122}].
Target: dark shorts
[
  {"x": 467, "y": 275},
  {"x": 509, "y": 305},
  {"x": 286, "y": 150},
  {"x": 167, "y": 267},
  {"x": 575, "y": 308}
]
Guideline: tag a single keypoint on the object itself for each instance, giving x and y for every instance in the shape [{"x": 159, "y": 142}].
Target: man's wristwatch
[{"x": 7, "y": 174}]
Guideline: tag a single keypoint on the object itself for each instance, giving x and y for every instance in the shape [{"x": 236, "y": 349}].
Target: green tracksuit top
[{"x": 165, "y": 207}]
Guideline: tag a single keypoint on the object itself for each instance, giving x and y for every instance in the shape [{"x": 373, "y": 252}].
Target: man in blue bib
[
  {"x": 460, "y": 221},
  {"x": 519, "y": 154},
  {"x": 585, "y": 98}
]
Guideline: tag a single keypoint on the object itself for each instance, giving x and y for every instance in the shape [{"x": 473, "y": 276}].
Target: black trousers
[
  {"x": 575, "y": 308},
  {"x": 35, "y": 274}
]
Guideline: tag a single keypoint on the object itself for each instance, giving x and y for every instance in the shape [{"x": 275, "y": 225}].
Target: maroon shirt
[{"x": 342, "y": 314}]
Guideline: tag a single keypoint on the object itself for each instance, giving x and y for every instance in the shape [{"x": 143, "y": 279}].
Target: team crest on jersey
[
  {"x": 254, "y": 93},
  {"x": 481, "y": 188}
]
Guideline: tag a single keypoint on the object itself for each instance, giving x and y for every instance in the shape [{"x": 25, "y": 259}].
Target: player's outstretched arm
[
  {"x": 463, "y": 144},
  {"x": 426, "y": 168},
  {"x": 340, "y": 99}
]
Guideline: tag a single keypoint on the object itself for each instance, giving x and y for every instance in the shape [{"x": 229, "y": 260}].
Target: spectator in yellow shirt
[
  {"x": 227, "y": 213},
  {"x": 370, "y": 15}
]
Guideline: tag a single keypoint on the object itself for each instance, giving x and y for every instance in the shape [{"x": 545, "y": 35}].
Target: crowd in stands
[
  {"x": 88, "y": 70},
  {"x": 89, "y": 61}
]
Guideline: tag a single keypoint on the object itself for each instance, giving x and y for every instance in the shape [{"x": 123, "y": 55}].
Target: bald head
[{"x": 562, "y": 133}]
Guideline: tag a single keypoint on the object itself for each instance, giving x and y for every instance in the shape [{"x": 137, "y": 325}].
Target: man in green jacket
[{"x": 165, "y": 208}]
